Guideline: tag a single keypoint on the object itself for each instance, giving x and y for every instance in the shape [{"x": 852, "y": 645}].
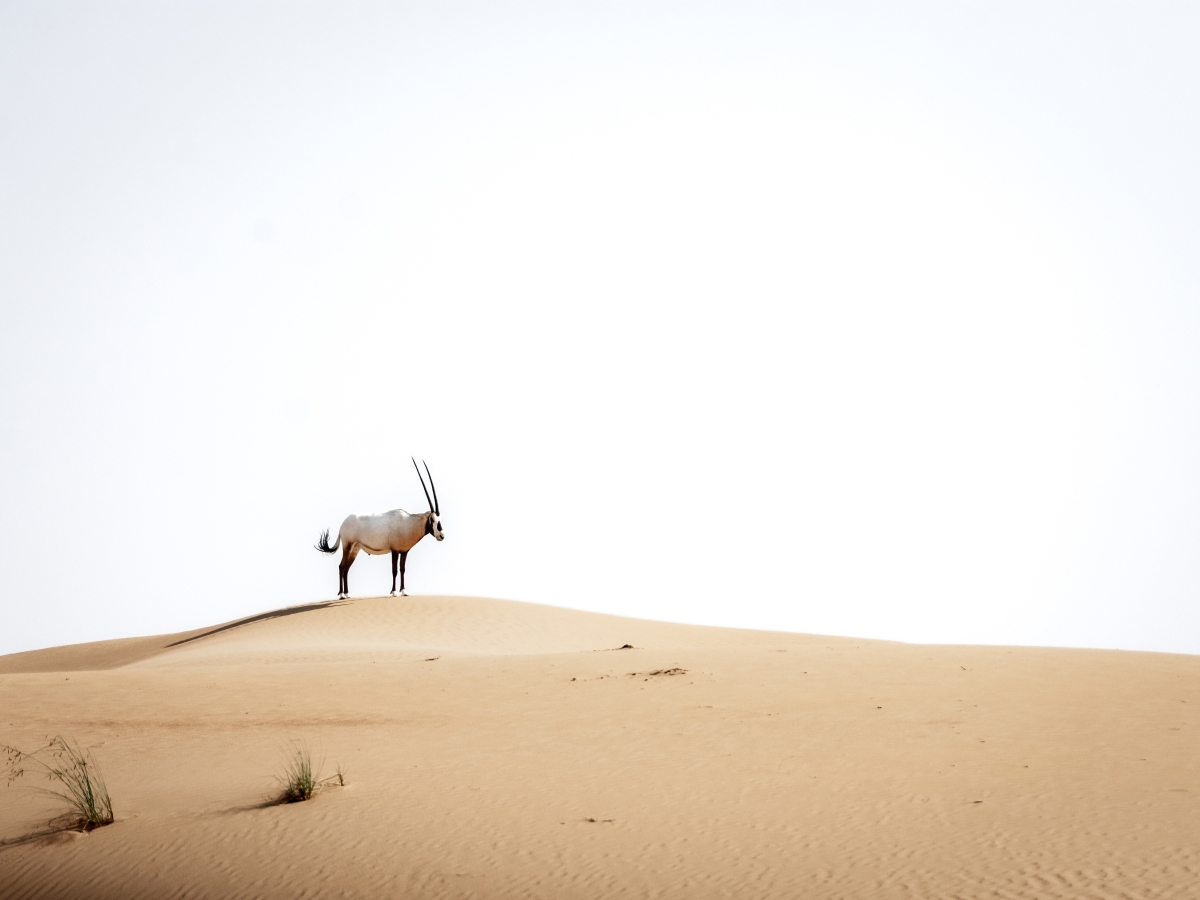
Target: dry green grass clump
[
  {"x": 81, "y": 783},
  {"x": 299, "y": 779}
]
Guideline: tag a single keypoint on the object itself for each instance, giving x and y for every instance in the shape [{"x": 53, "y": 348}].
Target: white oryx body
[{"x": 395, "y": 532}]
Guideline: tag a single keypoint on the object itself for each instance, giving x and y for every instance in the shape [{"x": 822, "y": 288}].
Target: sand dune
[{"x": 500, "y": 749}]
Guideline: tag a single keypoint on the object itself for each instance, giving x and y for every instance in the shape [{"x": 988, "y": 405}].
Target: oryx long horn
[
  {"x": 425, "y": 489},
  {"x": 437, "y": 509}
]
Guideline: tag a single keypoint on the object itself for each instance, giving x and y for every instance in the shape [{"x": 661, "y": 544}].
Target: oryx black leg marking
[
  {"x": 348, "y": 555},
  {"x": 343, "y": 568},
  {"x": 395, "y": 556},
  {"x": 403, "y": 557}
]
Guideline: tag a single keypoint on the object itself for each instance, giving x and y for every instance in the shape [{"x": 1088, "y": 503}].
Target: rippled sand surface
[{"x": 501, "y": 749}]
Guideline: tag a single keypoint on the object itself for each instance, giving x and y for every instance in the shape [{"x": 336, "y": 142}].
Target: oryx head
[{"x": 433, "y": 524}]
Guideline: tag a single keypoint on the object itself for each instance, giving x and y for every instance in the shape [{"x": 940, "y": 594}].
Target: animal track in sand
[{"x": 675, "y": 671}]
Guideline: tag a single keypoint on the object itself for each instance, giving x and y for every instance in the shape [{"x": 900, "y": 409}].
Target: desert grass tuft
[
  {"x": 77, "y": 773},
  {"x": 299, "y": 779}
]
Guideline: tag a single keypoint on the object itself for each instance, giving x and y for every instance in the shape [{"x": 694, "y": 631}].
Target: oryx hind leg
[{"x": 349, "y": 552}]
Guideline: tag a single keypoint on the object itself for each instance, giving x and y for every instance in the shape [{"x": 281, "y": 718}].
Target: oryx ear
[{"x": 425, "y": 489}]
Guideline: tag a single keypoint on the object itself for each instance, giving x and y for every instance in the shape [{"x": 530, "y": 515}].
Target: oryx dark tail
[{"x": 322, "y": 543}]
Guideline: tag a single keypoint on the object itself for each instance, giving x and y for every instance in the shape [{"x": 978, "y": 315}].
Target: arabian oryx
[{"x": 396, "y": 532}]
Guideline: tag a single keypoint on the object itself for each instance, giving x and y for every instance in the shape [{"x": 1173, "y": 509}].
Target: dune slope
[{"x": 500, "y": 749}]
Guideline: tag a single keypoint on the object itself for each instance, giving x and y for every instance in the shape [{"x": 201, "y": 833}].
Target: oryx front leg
[
  {"x": 395, "y": 556},
  {"x": 403, "y": 557}
]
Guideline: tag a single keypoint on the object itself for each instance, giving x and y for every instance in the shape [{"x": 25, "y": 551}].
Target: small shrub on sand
[
  {"x": 299, "y": 779},
  {"x": 76, "y": 772}
]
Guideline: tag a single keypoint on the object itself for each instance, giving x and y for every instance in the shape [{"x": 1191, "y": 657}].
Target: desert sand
[{"x": 503, "y": 749}]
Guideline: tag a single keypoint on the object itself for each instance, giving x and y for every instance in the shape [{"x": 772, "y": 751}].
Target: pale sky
[{"x": 866, "y": 319}]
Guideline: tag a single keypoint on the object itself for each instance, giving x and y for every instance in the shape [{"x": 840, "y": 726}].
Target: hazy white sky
[{"x": 870, "y": 319}]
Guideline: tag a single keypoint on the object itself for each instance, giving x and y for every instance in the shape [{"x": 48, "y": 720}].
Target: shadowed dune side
[
  {"x": 94, "y": 656},
  {"x": 100, "y": 655}
]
